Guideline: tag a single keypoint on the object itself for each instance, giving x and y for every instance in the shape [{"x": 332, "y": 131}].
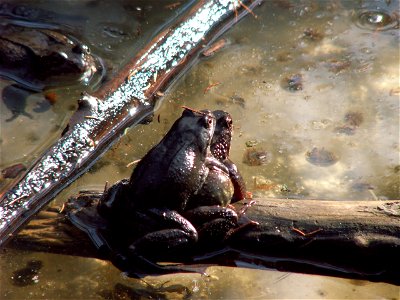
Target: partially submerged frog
[
  {"x": 37, "y": 59},
  {"x": 177, "y": 195}
]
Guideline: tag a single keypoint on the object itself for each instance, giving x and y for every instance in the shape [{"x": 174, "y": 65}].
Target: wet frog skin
[
  {"x": 202, "y": 196},
  {"x": 152, "y": 201},
  {"x": 169, "y": 173},
  {"x": 156, "y": 210}
]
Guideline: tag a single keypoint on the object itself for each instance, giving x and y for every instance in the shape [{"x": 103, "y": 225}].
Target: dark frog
[
  {"x": 40, "y": 58},
  {"x": 224, "y": 184},
  {"x": 176, "y": 195}
]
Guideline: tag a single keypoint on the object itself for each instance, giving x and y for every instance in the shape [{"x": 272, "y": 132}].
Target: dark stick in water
[{"x": 126, "y": 100}]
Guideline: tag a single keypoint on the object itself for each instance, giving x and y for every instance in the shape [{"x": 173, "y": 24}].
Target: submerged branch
[
  {"x": 126, "y": 100},
  {"x": 352, "y": 239}
]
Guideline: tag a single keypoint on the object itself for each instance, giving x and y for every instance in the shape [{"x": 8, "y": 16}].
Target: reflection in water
[
  {"x": 14, "y": 98},
  {"x": 335, "y": 138}
]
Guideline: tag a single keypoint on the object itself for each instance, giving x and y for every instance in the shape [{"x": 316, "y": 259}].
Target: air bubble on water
[{"x": 376, "y": 20}]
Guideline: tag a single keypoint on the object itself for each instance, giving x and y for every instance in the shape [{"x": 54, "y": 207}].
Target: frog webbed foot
[{"x": 244, "y": 223}]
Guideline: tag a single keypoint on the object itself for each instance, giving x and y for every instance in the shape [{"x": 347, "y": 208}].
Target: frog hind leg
[
  {"x": 134, "y": 262},
  {"x": 178, "y": 234},
  {"x": 212, "y": 223},
  {"x": 169, "y": 232},
  {"x": 156, "y": 246},
  {"x": 213, "y": 234}
]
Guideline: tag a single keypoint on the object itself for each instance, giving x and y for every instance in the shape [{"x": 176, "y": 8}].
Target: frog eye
[{"x": 209, "y": 121}]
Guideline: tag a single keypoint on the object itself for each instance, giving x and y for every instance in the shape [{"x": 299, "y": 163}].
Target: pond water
[{"x": 313, "y": 89}]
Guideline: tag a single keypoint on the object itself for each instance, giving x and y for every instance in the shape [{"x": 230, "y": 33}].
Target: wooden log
[
  {"x": 345, "y": 238},
  {"x": 352, "y": 239}
]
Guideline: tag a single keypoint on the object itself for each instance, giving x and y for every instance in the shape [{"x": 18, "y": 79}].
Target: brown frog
[{"x": 176, "y": 195}]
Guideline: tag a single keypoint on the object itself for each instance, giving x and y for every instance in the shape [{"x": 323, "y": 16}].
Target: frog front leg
[
  {"x": 239, "y": 186},
  {"x": 213, "y": 163},
  {"x": 217, "y": 188}
]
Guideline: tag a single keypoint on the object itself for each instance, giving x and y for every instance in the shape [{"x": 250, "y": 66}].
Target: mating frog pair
[{"x": 178, "y": 195}]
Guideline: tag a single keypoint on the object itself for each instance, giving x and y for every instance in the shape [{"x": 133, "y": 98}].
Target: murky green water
[{"x": 313, "y": 88}]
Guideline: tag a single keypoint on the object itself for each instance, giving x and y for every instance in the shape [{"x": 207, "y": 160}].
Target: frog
[
  {"x": 223, "y": 185},
  {"x": 36, "y": 59},
  {"x": 207, "y": 209},
  {"x": 158, "y": 206}
]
